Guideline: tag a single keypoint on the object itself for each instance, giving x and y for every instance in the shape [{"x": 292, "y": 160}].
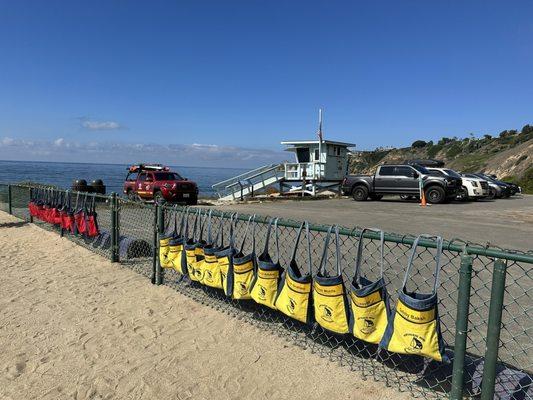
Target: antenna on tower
[{"x": 320, "y": 124}]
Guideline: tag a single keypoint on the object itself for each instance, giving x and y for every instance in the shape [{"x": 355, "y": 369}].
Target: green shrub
[
  {"x": 434, "y": 150},
  {"x": 454, "y": 150},
  {"x": 419, "y": 144},
  {"x": 526, "y": 181}
]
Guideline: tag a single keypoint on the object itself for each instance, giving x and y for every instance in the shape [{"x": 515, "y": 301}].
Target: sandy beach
[{"x": 75, "y": 326}]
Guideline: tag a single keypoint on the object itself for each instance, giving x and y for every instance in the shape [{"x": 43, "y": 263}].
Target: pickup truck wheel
[
  {"x": 375, "y": 197},
  {"x": 158, "y": 198},
  {"x": 360, "y": 193},
  {"x": 462, "y": 195},
  {"x": 435, "y": 195},
  {"x": 131, "y": 195}
]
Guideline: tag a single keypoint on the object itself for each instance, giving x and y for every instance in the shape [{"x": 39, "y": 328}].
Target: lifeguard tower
[{"x": 320, "y": 165}]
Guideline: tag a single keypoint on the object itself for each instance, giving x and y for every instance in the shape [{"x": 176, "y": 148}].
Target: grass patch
[
  {"x": 526, "y": 181},
  {"x": 471, "y": 162},
  {"x": 433, "y": 150}
]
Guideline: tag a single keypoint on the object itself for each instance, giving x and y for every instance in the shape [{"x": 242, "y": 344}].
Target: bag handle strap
[
  {"x": 360, "y": 251},
  {"x": 183, "y": 214},
  {"x": 209, "y": 230},
  {"x": 308, "y": 237},
  {"x": 219, "y": 239},
  {"x": 195, "y": 225},
  {"x": 437, "y": 259},
  {"x": 77, "y": 199},
  {"x": 272, "y": 222},
  {"x": 251, "y": 221},
  {"x": 233, "y": 221},
  {"x": 323, "y": 260}
]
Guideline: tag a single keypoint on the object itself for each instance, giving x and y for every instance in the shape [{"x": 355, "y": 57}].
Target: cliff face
[{"x": 509, "y": 156}]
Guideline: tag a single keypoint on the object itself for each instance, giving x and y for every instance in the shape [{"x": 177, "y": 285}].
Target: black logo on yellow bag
[
  {"x": 416, "y": 344},
  {"x": 208, "y": 276},
  {"x": 262, "y": 292},
  {"x": 368, "y": 326},
  {"x": 327, "y": 313},
  {"x": 243, "y": 289},
  {"x": 291, "y": 306}
]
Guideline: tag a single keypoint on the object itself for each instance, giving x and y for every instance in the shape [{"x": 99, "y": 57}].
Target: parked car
[
  {"x": 472, "y": 189},
  {"x": 156, "y": 182},
  {"x": 403, "y": 180},
  {"x": 513, "y": 186},
  {"x": 501, "y": 190}
]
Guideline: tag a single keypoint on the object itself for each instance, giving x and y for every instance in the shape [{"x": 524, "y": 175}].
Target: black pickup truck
[{"x": 401, "y": 180}]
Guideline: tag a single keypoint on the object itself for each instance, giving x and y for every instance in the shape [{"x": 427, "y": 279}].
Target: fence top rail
[{"x": 454, "y": 245}]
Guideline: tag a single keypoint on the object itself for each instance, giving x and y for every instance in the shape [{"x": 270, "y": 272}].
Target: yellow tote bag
[
  {"x": 225, "y": 256},
  {"x": 329, "y": 296},
  {"x": 164, "y": 249},
  {"x": 175, "y": 246},
  {"x": 211, "y": 268},
  {"x": 368, "y": 299},
  {"x": 242, "y": 268},
  {"x": 294, "y": 298},
  {"x": 193, "y": 249},
  {"x": 165, "y": 256},
  {"x": 414, "y": 327},
  {"x": 265, "y": 284},
  {"x": 199, "y": 245}
]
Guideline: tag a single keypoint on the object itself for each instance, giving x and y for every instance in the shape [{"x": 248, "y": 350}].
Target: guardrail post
[
  {"x": 114, "y": 228},
  {"x": 493, "y": 329},
  {"x": 160, "y": 211},
  {"x": 461, "y": 327},
  {"x": 9, "y": 200}
]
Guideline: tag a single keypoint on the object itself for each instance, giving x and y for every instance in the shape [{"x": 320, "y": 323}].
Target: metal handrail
[
  {"x": 251, "y": 177},
  {"x": 246, "y": 175}
]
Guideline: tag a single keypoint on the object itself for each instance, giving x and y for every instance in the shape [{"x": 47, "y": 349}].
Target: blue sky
[{"x": 232, "y": 76}]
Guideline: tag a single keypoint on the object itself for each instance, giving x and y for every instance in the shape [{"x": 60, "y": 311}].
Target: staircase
[{"x": 249, "y": 183}]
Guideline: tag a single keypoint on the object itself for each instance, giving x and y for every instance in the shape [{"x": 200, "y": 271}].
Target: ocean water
[{"x": 113, "y": 175}]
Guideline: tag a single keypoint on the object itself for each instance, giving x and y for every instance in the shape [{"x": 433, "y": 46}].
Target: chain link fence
[{"x": 134, "y": 229}]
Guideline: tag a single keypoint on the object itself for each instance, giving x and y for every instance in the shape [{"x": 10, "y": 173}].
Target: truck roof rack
[
  {"x": 148, "y": 167},
  {"x": 426, "y": 163}
]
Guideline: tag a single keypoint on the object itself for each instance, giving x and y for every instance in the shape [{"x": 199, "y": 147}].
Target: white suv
[{"x": 473, "y": 188}]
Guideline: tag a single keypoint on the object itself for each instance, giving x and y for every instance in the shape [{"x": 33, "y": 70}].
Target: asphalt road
[{"x": 506, "y": 223}]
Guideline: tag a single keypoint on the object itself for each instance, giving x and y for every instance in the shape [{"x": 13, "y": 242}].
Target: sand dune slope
[{"x": 75, "y": 326}]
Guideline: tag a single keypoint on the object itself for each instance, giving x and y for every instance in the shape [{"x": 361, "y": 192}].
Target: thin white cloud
[
  {"x": 100, "y": 125},
  {"x": 111, "y": 152}
]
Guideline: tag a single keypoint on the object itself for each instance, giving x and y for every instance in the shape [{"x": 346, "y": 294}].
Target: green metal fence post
[
  {"x": 9, "y": 200},
  {"x": 160, "y": 231},
  {"x": 29, "y": 199},
  {"x": 461, "y": 327},
  {"x": 114, "y": 230},
  {"x": 155, "y": 252},
  {"x": 493, "y": 329}
]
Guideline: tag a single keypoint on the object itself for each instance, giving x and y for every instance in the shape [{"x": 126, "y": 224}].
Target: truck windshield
[
  {"x": 452, "y": 173},
  {"x": 167, "y": 176},
  {"x": 420, "y": 169}
]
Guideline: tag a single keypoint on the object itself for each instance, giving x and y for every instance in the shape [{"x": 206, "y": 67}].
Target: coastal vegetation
[{"x": 508, "y": 155}]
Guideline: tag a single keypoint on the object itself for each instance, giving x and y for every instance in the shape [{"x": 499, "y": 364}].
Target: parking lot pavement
[{"x": 506, "y": 223}]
